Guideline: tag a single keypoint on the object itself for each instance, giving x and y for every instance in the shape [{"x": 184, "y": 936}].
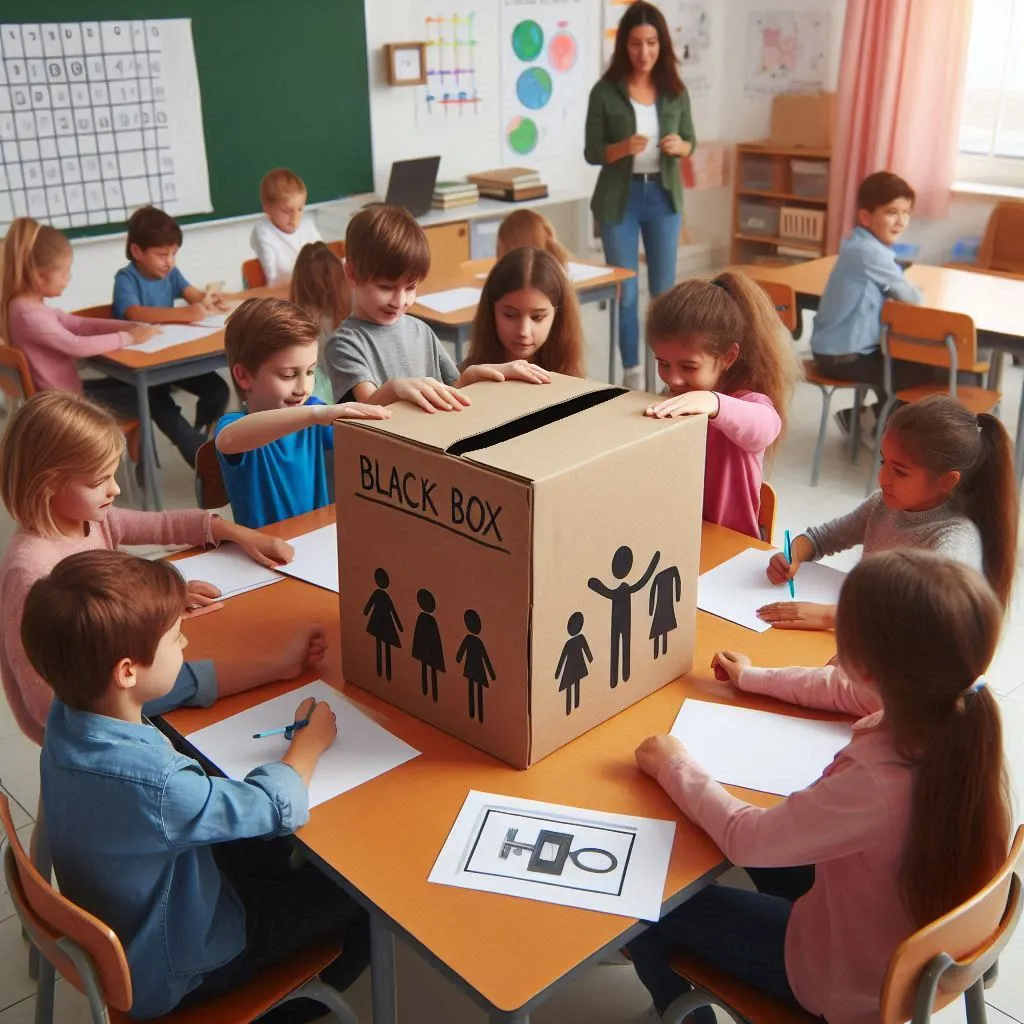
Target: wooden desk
[
  {"x": 456, "y": 326},
  {"x": 143, "y": 370},
  {"x": 380, "y": 840}
]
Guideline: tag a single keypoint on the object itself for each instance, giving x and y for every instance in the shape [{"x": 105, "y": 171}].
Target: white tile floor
[{"x": 605, "y": 995}]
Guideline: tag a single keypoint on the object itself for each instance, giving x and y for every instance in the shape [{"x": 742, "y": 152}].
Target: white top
[
  {"x": 277, "y": 251},
  {"x": 649, "y": 161}
]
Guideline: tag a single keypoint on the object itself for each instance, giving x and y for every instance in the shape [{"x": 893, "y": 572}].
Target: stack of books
[
  {"x": 511, "y": 184},
  {"x": 448, "y": 194}
]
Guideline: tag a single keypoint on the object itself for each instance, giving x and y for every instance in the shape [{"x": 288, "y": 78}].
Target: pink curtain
[{"x": 901, "y": 84}]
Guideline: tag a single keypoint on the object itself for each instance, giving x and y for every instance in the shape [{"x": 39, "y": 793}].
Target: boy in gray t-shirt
[{"x": 380, "y": 355}]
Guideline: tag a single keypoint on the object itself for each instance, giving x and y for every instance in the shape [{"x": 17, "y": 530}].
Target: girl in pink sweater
[
  {"x": 58, "y": 457},
  {"x": 721, "y": 350},
  {"x": 908, "y": 821}
]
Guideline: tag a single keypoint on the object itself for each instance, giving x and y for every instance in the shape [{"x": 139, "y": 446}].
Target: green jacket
[{"x": 610, "y": 118}]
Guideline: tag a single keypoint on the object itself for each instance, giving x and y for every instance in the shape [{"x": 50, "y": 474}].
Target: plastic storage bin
[
  {"x": 758, "y": 218},
  {"x": 757, "y": 172},
  {"x": 809, "y": 178}
]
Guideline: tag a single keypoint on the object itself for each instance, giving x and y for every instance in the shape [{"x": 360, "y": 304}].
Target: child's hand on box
[
  {"x": 655, "y": 751},
  {"x": 327, "y": 414},
  {"x": 429, "y": 394},
  {"x": 517, "y": 369},
  {"x": 693, "y": 403}
]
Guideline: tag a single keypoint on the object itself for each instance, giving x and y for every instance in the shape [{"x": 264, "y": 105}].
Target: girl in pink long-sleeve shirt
[
  {"x": 908, "y": 821},
  {"x": 721, "y": 350}
]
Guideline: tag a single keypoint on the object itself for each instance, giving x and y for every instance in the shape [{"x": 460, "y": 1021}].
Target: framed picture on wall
[{"x": 406, "y": 63}]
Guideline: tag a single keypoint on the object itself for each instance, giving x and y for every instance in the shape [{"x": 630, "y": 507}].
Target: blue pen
[
  {"x": 286, "y": 730},
  {"x": 789, "y": 558}
]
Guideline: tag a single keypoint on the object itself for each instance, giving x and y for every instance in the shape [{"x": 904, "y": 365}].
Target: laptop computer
[{"x": 412, "y": 184}]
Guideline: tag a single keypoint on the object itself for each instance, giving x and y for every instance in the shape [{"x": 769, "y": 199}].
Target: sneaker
[
  {"x": 649, "y": 1016},
  {"x": 843, "y": 420},
  {"x": 633, "y": 378},
  {"x": 868, "y": 426}
]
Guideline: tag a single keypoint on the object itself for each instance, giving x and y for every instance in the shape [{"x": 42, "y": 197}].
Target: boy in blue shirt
[
  {"x": 141, "y": 837},
  {"x": 146, "y": 291},
  {"x": 272, "y": 453}
]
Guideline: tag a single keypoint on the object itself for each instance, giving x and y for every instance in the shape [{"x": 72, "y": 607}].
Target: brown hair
[
  {"x": 260, "y": 327},
  {"x": 880, "y": 189},
  {"x": 279, "y": 183},
  {"x": 95, "y": 608},
  {"x": 319, "y": 286},
  {"x": 30, "y": 249},
  {"x": 941, "y": 435},
  {"x": 531, "y": 268},
  {"x": 732, "y": 309},
  {"x": 55, "y": 436},
  {"x": 924, "y": 629},
  {"x": 149, "y": 227},
  {"x": 385, "y": 243},
  {"x": 665, "y": 72},
  {"x": 523, "y": 228}
]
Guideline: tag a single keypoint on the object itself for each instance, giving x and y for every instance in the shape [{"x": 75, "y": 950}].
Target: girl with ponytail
[{"x": 909, "y": 820}]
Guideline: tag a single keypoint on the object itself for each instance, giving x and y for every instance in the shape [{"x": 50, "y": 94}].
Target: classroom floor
[{"x": 607, "y": 994}]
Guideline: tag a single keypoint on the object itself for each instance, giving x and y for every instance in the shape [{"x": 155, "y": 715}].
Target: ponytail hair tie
[
  {"x": 966, "y": 696},
  {"x": 719, "y": 283}
]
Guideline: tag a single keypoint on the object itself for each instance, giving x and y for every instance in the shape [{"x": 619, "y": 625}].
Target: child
[
  {"x": 140, "y": 835},
  {"x": 524, "y": 228},
  {"x": 722, "y": 351},
  {"x": 320, "y": 288},
  {"x": 272, "y": 453},
  {"x": 846, "y": 327},
  {"x": 282, "y": 231},
  {"x": 58, "y": 457},
  {"x": 947, "y": 485},
  {"x": 380, "y": 354},
  {"x": 528, "y": 310},
  {"x": 146, "y": 290},
  {"x": 910, "y": 819}
]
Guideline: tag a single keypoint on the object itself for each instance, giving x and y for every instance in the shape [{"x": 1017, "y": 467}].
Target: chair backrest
[
  {"x": 15, "y": 380},
  {"x": 338, "y": 248},
  {"x": 1002, "y": 247},
  {"x": 104, "y": 312},
  {"x": 917, "y": 334},
  {"x": 252, "y": 274},
  {"x": 971, "y": 936},
  {"x": 51, "y": 919},
  {"x": 766, "y": 514},
  {"x": 784, "y": 299},
  {"x": 210, "y": 489}
]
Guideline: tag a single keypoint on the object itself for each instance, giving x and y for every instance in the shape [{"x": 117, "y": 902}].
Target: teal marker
[
  {"x": 286, "y": 730},
  {"x": 789, "y": 558}
]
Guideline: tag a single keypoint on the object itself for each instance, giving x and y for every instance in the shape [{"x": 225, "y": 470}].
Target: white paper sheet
[
  {"x": 735, "y": 589},
  {"x": 758, "y": 749},
  {"x": 584, "y": 271},
  {"x": 362, "y": 751},
  {"x": 451, "y": 300},
  {"x": 595, "y": 860},
  {"x": 229, "y": 568},
  {"x": 174, "y": 334},
  {"x": 216, "y": 321},
  {"x": 316, "y": 558}
]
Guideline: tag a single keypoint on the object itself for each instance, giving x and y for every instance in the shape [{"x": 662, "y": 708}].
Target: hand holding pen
[{"x": 311, "y": 733}]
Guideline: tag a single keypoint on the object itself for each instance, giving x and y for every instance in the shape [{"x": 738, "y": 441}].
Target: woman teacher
[{"x": 638, "y": 126}]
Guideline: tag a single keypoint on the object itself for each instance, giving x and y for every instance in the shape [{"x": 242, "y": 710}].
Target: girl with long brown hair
[
  {"x": 909, "y": 820},
  {"x": 721, "y": 350}
]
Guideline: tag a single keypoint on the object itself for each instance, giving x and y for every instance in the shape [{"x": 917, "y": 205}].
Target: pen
[
  {"x": 286, "y": 730},
  {"x": 789, "y": 558}
]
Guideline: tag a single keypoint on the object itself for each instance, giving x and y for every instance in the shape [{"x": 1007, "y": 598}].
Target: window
[{"x": 992, "y": 122}]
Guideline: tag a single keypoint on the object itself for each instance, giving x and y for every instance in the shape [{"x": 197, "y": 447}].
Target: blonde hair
[
  {"x": 537, "y": 269},
  {"x": 55, "y": 436},
  {"x": 319, "y": 285},
  {"x": 732, "y": 309},
  {"x": 278, "y": 183},
  {"x": 30, "y": 249},
  {"x": 523, "y": 228}
]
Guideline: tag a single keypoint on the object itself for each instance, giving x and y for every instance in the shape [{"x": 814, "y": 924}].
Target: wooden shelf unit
[{"x": 773, "y": 189}]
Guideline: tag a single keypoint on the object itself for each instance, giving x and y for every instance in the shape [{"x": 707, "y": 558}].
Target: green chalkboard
[{"x": 282, "y": 83}]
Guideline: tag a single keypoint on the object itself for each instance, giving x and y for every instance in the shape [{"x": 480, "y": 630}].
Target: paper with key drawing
[
  {"x": 362, "y": 751},
  {"x": 595, "y": 860}
]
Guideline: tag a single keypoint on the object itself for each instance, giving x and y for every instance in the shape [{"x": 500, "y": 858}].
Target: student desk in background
[
  {"x": 456, "y": 326},
  {"x": 142, "y": 370},
  {"x": 995, "y": 304},
  {"x": 380, "y": 840}
]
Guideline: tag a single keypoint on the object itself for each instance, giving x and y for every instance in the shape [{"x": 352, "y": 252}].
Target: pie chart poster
[{"x": 547, "y": 49}]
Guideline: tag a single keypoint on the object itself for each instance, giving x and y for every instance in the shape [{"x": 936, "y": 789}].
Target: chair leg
[
  {"x": 876, "y": 461},
  {"x": 854, "y": 440},
  {"x": 318, "y": 989},
  {"x": 44, "y": 865},
  {"x": 974, "y": 1002},
  {"x": 44, "y": 991},
  {"x": 826, "y": 403},
  {"x": 679, "y": 1009}
]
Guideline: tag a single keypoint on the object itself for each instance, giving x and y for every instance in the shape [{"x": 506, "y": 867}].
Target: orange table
[
  {"x": 381, "y": 839},
  {"x": 143, "y": 370}
]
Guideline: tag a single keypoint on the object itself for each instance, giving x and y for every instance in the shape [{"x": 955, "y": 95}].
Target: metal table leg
[
  {"x": 150, "y": 485},
  {"x": 383, "y": 982},
  {"x": 613, "y": 334}
]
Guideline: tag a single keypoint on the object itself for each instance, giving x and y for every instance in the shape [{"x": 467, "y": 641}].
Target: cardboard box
[
  {"x": 803, "y": 119},
  {"x": 489, "y": 559}
]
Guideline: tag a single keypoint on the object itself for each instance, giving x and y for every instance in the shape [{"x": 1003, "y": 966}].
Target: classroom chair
[
  {"x": 90, "y": 957},
  {"x": 1002, "y": 246},
  {"x": 828, "y": 386},
  {"x": 252, "y": 270},
  {"x": 210, "y": 489},
  {"x": 932, "y": 337},
  {"x": 953, "y": 956},
  {"x": 101, "y": 312},
  {"x": 783, "y": 297},
  {"x": 766, "y": 514}
]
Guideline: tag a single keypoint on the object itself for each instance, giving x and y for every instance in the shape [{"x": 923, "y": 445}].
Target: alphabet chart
[{"x": 98, "y": 118}]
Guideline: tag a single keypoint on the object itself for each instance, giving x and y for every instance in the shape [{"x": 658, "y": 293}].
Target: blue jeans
[
  {"x": 649, "y": 213},
  {"x": 735, "y": 930}
]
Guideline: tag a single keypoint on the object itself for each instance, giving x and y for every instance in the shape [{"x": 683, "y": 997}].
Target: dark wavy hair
[{"x": 665, "y": 71}]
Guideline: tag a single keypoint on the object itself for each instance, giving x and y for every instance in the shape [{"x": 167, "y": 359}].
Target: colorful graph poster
[
  {"x": 452, "y": 92},
  {"x": 545, "y": 77}
]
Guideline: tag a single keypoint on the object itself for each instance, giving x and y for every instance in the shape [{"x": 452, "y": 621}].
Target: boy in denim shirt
[{"x": 141, "y": 837}]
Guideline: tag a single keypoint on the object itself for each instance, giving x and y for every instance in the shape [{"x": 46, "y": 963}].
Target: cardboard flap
[
  {"x": 494, "y": 404},
  {"x": 590, "y": 434}
]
